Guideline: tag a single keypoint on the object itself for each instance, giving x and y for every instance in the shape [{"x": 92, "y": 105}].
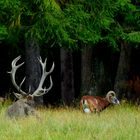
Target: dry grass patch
[{"x": 115, "y": 123}]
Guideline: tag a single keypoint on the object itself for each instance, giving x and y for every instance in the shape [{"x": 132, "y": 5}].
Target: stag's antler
[
  {"x": 13, "y": 73},
  {"x": 40, "y": 91}
]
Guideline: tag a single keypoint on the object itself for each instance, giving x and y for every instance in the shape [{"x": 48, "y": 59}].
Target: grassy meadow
[{"x": 115, "y": 123}]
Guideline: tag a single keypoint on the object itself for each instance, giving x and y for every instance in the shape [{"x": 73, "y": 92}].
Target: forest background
[{"x": 94, "y": 44}]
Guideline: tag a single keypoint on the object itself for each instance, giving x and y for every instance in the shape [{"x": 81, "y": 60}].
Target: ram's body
[{"x": 96, "y": 104}]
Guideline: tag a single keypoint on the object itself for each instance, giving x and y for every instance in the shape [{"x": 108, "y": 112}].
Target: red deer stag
[
  {"x": 24, "y": 106},
  {"x": 91, "y": 104}
]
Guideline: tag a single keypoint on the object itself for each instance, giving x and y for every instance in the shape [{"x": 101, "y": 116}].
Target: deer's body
[
  {"x": 25, "y": 105},
  {"x": 91, "y": 104},
  {"x": 20, "y": 109}
]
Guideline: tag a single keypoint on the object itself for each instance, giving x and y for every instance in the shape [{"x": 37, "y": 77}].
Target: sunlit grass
[{"x": 115, "y": 123}]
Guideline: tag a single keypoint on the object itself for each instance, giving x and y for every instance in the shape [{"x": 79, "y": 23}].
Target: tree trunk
[
  {"x": 67, "y": 77},
  {"x": 123, "y": 69},
  {"x": 103, "y": 81},
  {"x": 100, "y": 77},
  {"x": 87, "y": 71},
  {"x": 32, "y": 68}
]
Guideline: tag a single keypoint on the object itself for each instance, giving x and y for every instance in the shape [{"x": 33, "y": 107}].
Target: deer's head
[
  {"x": 111, "y": 97},
  {"x": 40, "y": 90}
]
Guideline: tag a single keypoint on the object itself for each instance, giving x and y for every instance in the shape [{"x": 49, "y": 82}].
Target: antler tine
[
  {"x": 40, "y": 91},
  {"x": 44, "y": 91},
  {"x": 22, "y": 82},
  {"x": 51, "y": 84},
  {"x": 52, "y": 68},
  {"x": 43, "y": 64},
  {"x": 13, "y": 73},
  {"x": 15, "y": 61}
]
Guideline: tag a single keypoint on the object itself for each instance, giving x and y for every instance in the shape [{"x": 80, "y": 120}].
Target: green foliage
[
  {"x": 91, "y": 22},
  {"x": 9, "y": 11},
  {"x": 134, "y": 37},
  {"x": 54, "y": 22},
  {"x": 70, "y": 23},
  {"x": 3, "y": 32},
  {"x": 79, "y": 25},
  {"x": 10, "y": 20},
  {"x": 47, "y": 24},
  {"x": 129, "y": 20}
]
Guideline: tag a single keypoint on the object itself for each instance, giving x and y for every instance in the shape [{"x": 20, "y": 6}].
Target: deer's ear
[{"x": 19, "y": 96}]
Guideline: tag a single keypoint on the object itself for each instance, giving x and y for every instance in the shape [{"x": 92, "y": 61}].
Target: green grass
[{"x": 115, "y": 123}]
